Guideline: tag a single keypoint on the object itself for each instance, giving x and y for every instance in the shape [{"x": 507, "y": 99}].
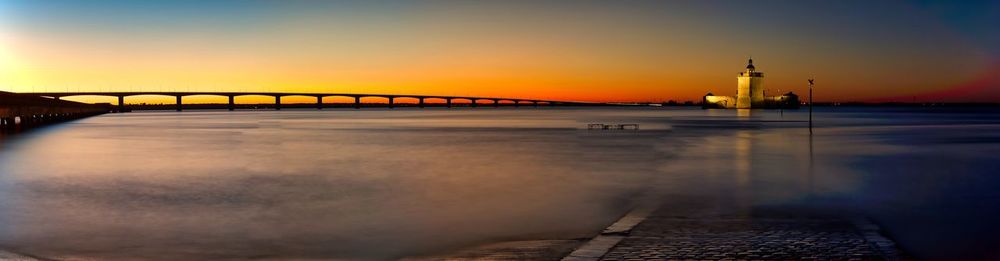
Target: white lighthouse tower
[{"x": 750, "y": 88}]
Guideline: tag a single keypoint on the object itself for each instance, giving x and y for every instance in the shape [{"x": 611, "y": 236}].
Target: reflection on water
[
  {"x": 744, "y": 112},
  {"x": 742, "y": 159},
  {"x": 376, "y": 184}
]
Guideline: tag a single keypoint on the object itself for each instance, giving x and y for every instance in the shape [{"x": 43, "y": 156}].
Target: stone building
[{"x": 750, "y": 94}]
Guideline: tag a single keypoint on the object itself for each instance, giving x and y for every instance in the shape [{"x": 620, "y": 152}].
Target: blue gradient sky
[{"x": 577, "y": 50}]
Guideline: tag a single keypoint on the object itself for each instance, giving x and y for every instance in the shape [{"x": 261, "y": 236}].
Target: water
[{"x": 381, "y": 184}]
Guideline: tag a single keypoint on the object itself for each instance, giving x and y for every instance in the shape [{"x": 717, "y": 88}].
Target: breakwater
[{"x": 21, "y": 111}]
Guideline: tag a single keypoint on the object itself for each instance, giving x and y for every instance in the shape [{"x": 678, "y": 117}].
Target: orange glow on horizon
[{"x": 594, "y": 54}]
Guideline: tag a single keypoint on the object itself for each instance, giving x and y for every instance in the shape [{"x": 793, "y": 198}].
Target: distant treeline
[
  {"x": 909, "y": 104},
  {"x": 855, "y": 104}
]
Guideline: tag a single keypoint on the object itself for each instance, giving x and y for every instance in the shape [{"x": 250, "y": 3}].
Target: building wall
[
  {"x": 743, "y": 92},
  {"x": 767, "y": 102},
  {"x": 756, "y": 90},
  {"x": 783, "y": 101},
  {"x": 749, "y": 89},
  {"x": 722, "y": 102}
]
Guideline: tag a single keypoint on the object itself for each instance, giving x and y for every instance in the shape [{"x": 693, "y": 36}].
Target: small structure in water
[
  {"x": 750, "y": 94},
  {"x": 601, "y": 126}
]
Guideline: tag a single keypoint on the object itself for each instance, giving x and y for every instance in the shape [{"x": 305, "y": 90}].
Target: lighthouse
[
  {"x": 750, "y": 88},
  {"x": 750, "y": 94}
]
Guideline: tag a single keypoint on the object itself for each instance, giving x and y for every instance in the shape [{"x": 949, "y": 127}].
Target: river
[{"x": 384, "y": 184}]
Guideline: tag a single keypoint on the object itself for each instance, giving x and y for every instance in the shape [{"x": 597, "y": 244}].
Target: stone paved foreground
[
  {"x": 751, "y": 234},
  {"x": 676, "y": 238}
]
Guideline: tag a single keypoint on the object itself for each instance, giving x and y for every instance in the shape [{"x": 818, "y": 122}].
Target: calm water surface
[{"x": 381, "y": 184}]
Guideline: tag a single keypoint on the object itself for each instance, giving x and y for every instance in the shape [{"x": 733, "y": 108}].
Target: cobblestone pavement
[
  {"x": 752, "y": 234},
  {"x": 678, "y": 238}
]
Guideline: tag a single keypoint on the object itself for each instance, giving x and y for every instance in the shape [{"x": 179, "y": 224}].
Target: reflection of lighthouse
[{"x": 750, "y": 88}]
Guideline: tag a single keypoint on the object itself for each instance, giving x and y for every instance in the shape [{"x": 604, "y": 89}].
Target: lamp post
[{"x": 810, "y": 106}]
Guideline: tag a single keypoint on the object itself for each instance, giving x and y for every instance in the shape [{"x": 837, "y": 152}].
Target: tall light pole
[{"x": 810, "y": 106}]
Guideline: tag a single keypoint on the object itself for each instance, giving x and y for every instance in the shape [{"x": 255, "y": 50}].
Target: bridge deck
[
  {"x": 319, "y": 98},
  {"x": 284, "y": 94}
]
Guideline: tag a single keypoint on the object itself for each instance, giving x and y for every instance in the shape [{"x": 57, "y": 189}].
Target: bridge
[
  {"x": 18, "y": 111},
  {"x": 319, "y": 98}
]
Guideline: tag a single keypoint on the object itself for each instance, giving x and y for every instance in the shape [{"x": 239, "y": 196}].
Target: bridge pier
[
  {"x": 517, "y": 103},
  {"x": 232, "y": 102},
  {"x": 535, "y": 103},
  {"x": 496, "y": 103},
  {"x": 319, "y": 102},
  {"x": 179, "y": 103},
  {"x": 421, "y": 102},
  {"x": 448, "y": 102},
  {"x": 121, "y": 104},
  {"x": 391, "y": 102},
  {"x": 357, "y": 102},
  {"x": 473, "y": 104},
  {"x": 277, "y": 103}
]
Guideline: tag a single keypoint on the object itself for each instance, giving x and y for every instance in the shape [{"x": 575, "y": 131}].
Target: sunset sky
[{"x": 565, "y": 50}]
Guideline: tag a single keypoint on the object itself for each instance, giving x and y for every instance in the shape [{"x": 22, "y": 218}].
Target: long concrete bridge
[
  {"x": 18, "y": 111},
  {"x": 319, "y": 98}
]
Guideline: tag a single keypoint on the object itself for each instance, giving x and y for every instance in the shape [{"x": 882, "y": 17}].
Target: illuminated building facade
[{"x": 750, "y": 94}]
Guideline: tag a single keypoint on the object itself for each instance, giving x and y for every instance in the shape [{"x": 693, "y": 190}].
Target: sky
[{"x": 577, "y": 50}]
